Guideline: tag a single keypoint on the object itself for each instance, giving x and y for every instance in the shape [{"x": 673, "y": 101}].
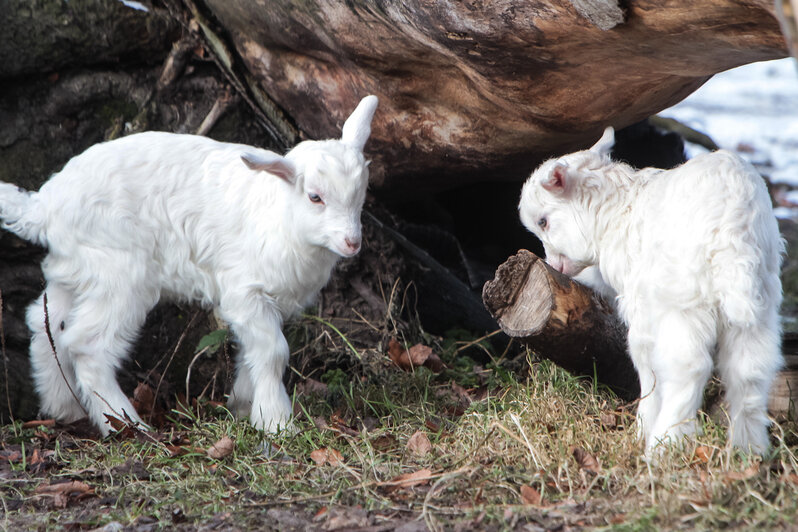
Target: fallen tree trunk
[
  {"x": 483, "y": 91},
  {"x": 561, "y": 320}
]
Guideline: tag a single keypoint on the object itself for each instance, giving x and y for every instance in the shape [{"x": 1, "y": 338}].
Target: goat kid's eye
[
  {"x": 315, "y": 198},
  {"x": 543, "y": 223}
]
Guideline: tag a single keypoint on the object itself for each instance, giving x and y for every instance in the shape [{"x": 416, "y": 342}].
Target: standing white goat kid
[
  {"x": 693, "y": 254},
  {"x": 160, "y": 216}
]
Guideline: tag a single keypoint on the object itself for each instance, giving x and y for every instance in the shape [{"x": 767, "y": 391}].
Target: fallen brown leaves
[
  {"x": 408, "y": 480},
  {"x": 327, "y": 455},
  {"x": 222, "y": 448},
  {"x": 414, "y": 357},
  {"x": 585, "y": 460},
  {"x": 530, "y": 495},
  {"x": 36, "y": 423},
  {"x": 419, "y": 444},
  {"x": 702, "y": 454},
  {"x": 747, "y": 473},
  {"x": 63, "y": 492}
]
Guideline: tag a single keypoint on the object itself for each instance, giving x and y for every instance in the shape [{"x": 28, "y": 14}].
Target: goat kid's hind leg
[
  {"x": 99, "y": 336},
  {"x": 649, "y": 403},
  {"x": 749, "y": 358},
  {"x": 263, "y": 357},
  {"x": 240, "y": 401},
  {"x": 56, "y": 387},
  {"x": 682, "y": 364}
]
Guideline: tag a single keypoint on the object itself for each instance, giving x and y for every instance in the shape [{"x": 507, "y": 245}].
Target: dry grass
[{"x": 513, "y": 444}]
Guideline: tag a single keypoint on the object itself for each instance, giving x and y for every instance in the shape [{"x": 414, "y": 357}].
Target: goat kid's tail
[{"x": 18, "y": 213}]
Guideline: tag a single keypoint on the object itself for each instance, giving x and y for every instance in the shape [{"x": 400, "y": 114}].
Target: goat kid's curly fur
[
  {"x": 160, "y": 216},
  {"x": 693, "y": 255}
]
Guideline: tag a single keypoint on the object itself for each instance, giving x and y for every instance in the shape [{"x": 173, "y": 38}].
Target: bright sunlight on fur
[
  {"x": 160, "y": 216},
  {"x": 693, "y": 255}
]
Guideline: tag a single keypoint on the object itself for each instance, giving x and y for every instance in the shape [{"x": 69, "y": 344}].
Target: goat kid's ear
[
  {"x": 266, "y": 161},
  {"x": 558, "y": 181},
  {"x": 605, "y": 143},
  {"x": 357, "y": 127}
]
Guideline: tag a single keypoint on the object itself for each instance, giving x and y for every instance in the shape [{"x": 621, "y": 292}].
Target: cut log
[
  {"x": 784, "y": 393},
  {"x": 574, "y": 327},
  {"x": 561, "y": 320}
]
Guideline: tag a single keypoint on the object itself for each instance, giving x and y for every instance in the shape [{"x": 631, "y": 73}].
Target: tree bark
[
  {"x": 44, "y": 36},
  {"x": 483, "y": 91},
  {"x": 561, "y": 320}
]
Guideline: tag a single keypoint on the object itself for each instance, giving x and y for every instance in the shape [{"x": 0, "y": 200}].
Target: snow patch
[{"x": 135, "y": 5}]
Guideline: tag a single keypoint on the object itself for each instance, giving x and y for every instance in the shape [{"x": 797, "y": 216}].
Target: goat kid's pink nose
[{"x": 354, "y": 245}]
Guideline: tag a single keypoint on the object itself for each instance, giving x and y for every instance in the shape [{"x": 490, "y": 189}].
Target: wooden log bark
[
  {"x": 561, "y": 320},
  {"x": 467, "y": 86}
]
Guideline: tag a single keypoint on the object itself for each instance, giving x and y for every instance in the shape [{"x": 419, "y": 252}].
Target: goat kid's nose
[{"x": 352, "y": 244}]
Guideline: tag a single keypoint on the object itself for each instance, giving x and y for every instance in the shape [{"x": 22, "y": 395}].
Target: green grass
[{"x": 504, "y": 424}]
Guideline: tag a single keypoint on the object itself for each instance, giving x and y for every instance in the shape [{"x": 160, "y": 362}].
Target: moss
[
  {"x": 29, "y": 164},
  {"x": 110, "y": 110}
]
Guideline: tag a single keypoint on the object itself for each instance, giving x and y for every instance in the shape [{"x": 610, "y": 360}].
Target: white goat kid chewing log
[
  {"x": 160, "y": 216},
  {"x": 693, "y": 254}
]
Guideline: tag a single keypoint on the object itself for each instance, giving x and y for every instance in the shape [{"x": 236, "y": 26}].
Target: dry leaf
[
  {"x": 343, "y": 518},
  {"x": 617, "y": 519},
  {"x": 749, "y": 472},
  {"x": 320, "y": 423},
  {"x": 422, "y": 355},
  {"x": 418, "y": 355},
  {"x": 327, "y": 455},
  {"x": 144, "y": 400},
  {"x": 419, "y": 444},
  {"x": 177, "y": 450},
  {"x": 462, "y": 393},
  {"x": 12, "y": 456},
  {"x": 312, "y": 387},
  {"x": 62, "y": 492},
  {"x": 408, "y": 480},
  {"x": 383, "y": 442},
  {"x": 220, "y": 449},
  {"x": 35, "y": 458},
  {"x": 530, "y": 495},
  {"x": 608, "y": 420},
  {"x": 433, "y": 425},
  {"x": 39, "y": 423},
  {"x": 702, "y": 454},
  {"x": 338, "y": 423},
  {"x": 585, "y": 460}
]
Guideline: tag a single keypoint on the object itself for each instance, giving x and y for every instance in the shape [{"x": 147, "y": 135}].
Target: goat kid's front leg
[{"x": 263, "y": 357}]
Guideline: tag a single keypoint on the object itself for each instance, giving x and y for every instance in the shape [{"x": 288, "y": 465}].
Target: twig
[
  {"x": 271, "y": 116},
  {"x": 175, "y": 62},
  {"x": 191, "y": 364},
  {"x": 334, "y": 328},
  {"x": 5, "y": 364},
  {"x": 55, "y": 353},
  {"x": 524, "y": 442},
  {"x": 174, "y": 352},
  {"x": 220, "y": 106},
  {"x": 689, "y": 134},
  {"x": 359, "y": 486},
  {"x": 435, "y": 487},
  {"x": 469, "y": 344}
]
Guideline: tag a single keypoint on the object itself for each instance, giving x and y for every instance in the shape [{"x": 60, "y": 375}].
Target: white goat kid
[
  {"x": 693, "y": 254},
  {"x": 160, "y": 216}
]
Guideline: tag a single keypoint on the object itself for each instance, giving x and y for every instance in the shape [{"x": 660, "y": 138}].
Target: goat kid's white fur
[
  {"x": 693, "y": 255},
  {"x": 160, "y": 216}
]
